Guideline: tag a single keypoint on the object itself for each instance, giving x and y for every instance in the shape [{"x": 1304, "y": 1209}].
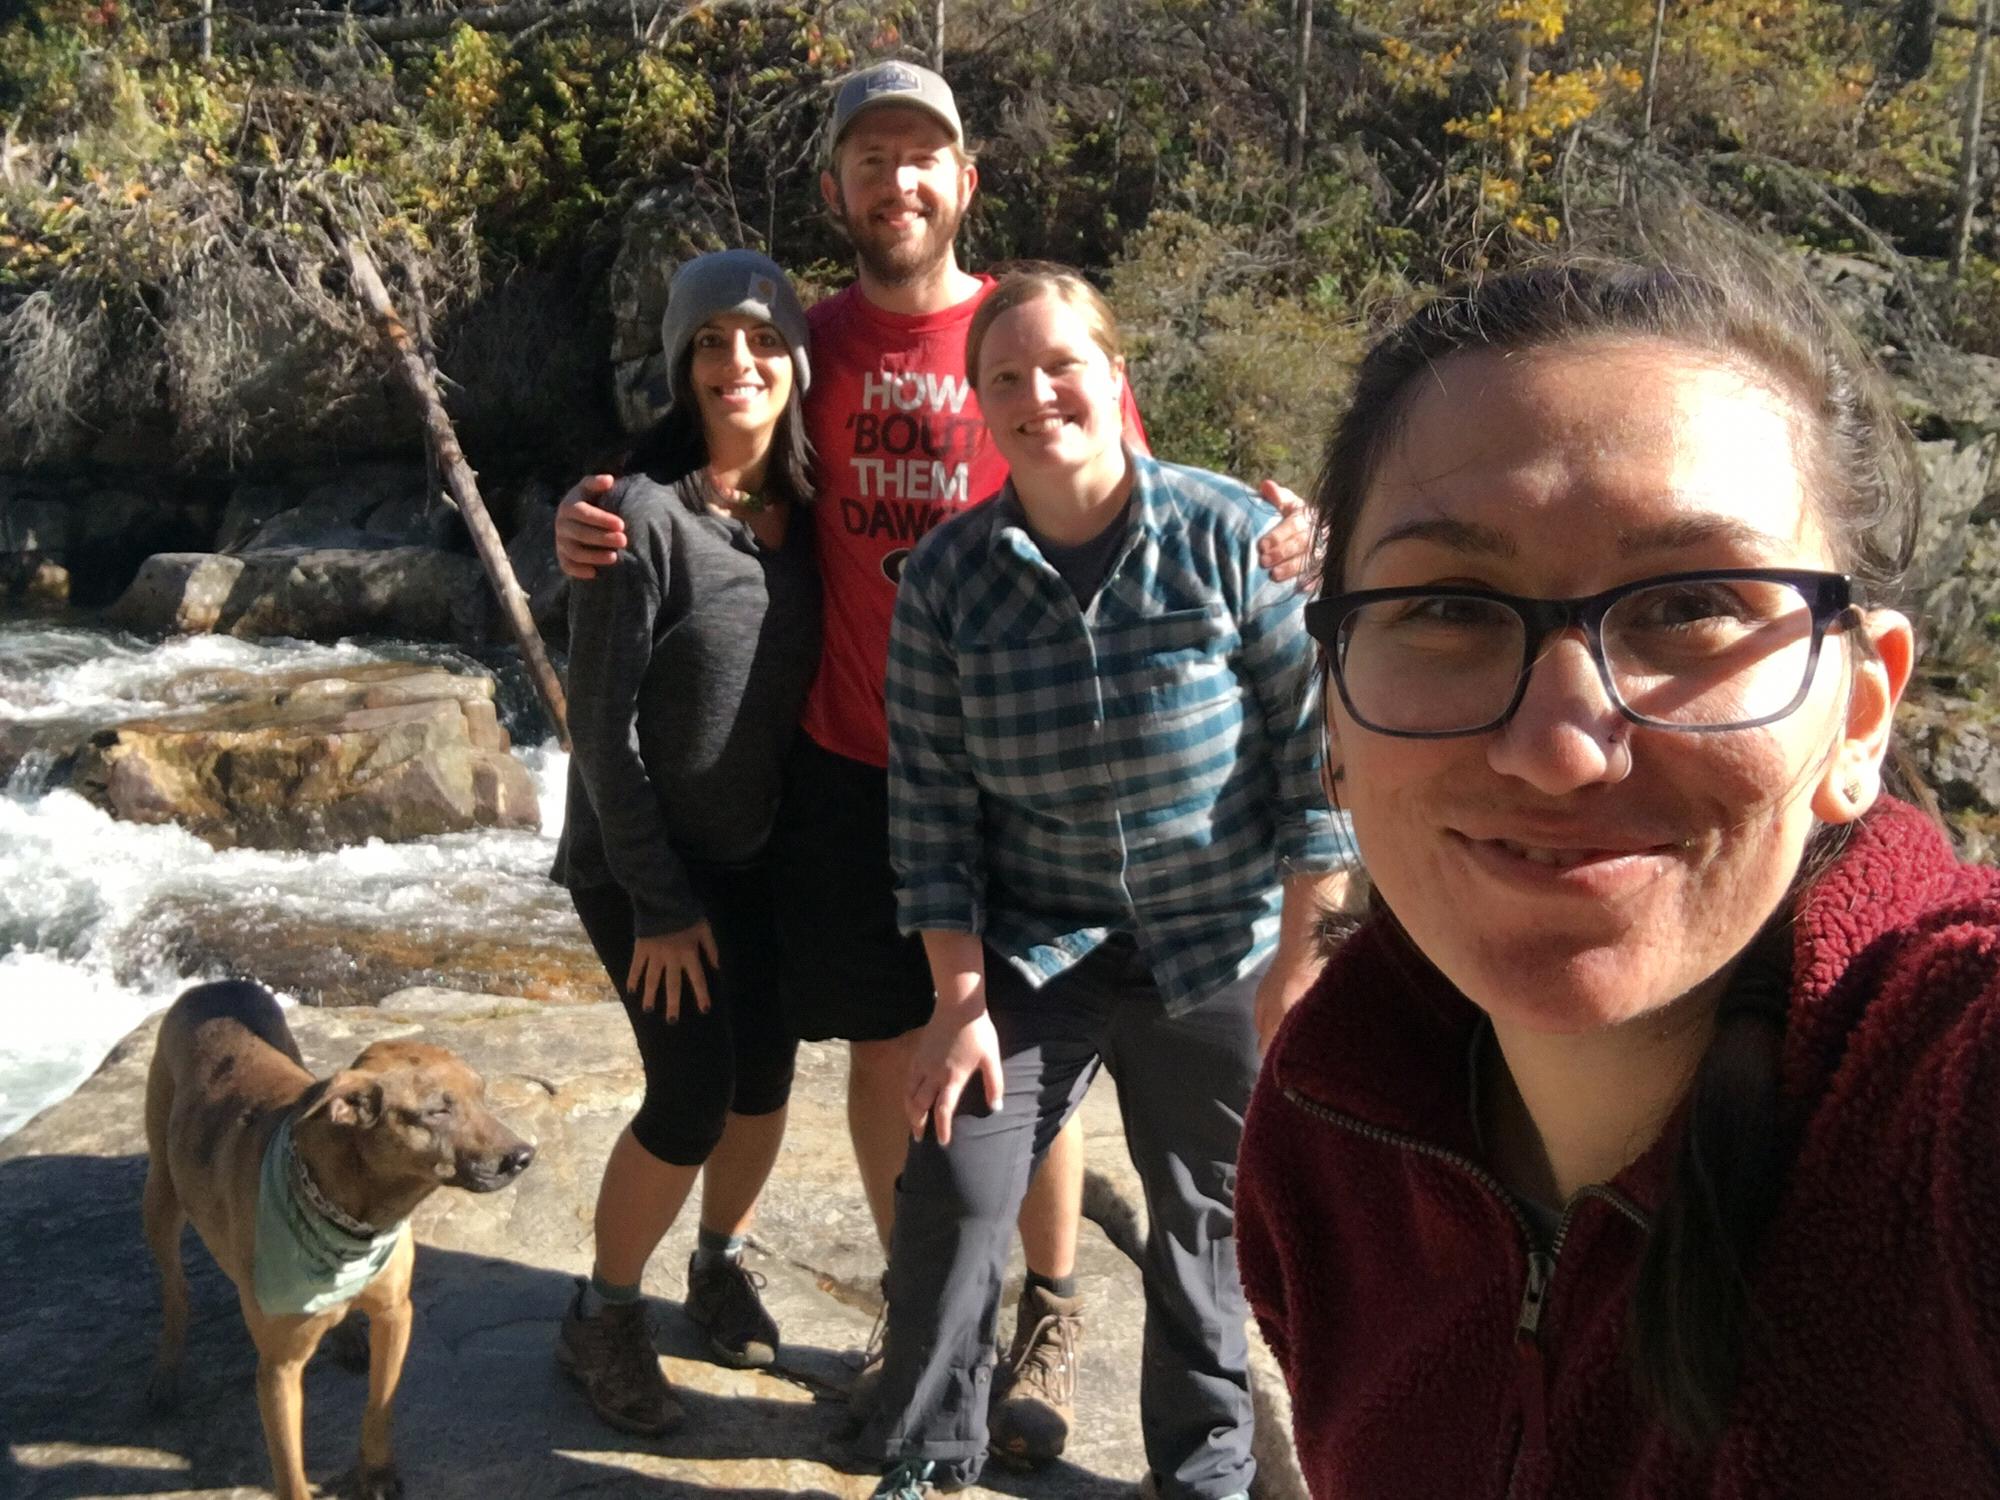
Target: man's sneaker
[
  {"x": 1034, "y": 1389},
  {"x": 612, "y": 1357},
  {"x": 722, "y": 1302},
  {"x": 909, "y": 1480}
]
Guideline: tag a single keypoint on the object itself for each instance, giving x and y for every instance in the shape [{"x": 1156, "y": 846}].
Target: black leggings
[{"x": 735, "y": 1058}]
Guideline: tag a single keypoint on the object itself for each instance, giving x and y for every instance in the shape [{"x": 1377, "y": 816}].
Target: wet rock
[
  {"x": 308, "y": 760},
  {"x": 33, "y": 581},
  {"x": 347, "y": 958},
  {"x": 179, "y": 593},
  {"x": 482, "y": 1410}
]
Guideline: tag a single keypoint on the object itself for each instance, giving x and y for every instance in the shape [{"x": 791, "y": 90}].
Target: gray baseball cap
[
  {"x": 893, "y": 83},
  {"x": 732, "y": 281}
]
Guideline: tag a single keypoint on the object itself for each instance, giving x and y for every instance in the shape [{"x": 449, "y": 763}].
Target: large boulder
[
  {"x": 311, "y": 760},
  {"x": 307, "y": 593}
]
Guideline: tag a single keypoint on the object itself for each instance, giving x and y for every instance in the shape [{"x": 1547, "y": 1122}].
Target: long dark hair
[
  {"x": 1691, "y": 1314},
  {"x": 674, "y": 450}
]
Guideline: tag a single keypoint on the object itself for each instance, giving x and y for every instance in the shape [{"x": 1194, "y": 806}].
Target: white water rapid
[{"x": 80, "y": 961}]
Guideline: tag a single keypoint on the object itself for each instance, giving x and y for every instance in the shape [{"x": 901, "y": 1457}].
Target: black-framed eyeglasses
[{"x": 1730, "y": 648}]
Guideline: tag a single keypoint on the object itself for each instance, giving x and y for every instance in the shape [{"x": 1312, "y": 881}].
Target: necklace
[{"x": 742, "y": 501}]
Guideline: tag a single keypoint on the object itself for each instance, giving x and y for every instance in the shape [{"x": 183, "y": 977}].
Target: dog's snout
[{"x": 515, "y": 1162}]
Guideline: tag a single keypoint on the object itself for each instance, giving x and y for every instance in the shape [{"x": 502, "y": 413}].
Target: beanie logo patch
[{"x": 764, "y": 290}]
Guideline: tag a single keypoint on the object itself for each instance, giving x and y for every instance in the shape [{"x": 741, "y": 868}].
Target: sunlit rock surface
[
  {"x": 311, "y": 760},
  {"x": 483, "y": 1412}
]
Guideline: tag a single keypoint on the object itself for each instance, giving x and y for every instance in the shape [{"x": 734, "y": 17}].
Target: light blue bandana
[{"x": 306, "y": 1263}]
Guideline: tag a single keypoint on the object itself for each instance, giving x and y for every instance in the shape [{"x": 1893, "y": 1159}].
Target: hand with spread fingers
[{"x": 665, "y": 967}]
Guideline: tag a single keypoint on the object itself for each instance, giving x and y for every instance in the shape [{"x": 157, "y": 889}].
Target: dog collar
[{"x": 317, "y": 1201}]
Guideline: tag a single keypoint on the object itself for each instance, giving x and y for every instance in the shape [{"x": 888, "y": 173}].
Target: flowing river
[{"x": 90, "y": 906}]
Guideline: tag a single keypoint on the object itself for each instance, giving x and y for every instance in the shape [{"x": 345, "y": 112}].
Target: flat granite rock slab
[{"x": 483, "y": 1413}]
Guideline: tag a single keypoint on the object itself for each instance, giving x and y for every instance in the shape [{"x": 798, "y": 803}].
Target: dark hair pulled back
[{"x": 1691, "y": 1314}]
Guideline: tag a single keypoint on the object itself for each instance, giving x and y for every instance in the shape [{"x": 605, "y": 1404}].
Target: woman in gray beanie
[{"x": 689, "y": 663}]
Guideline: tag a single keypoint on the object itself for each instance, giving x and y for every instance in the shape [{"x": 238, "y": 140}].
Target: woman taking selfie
[
  {"x": 1107, "y": 826},
  {"x": 1643, "y": 1142},
  {"x": 688, "y": 665}
]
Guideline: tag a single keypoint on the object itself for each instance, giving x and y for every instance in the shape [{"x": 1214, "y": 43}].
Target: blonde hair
[{"x": 1030, "y": 282}]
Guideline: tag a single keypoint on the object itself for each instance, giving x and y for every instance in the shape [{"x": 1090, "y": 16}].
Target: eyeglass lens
[{"x": 1702, "y": 653}]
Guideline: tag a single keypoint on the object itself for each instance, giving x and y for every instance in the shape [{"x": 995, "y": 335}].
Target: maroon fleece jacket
[{"x": 1431, "y": 1353}]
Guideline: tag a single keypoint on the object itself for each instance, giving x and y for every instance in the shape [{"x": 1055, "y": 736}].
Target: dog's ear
[{"x": 348, "y": 1098}]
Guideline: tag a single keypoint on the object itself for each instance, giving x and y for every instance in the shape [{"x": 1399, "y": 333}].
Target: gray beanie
[{"x": 732, "y": 281}]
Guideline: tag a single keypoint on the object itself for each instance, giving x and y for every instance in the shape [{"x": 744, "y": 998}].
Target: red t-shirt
[{"x": 899, "y": 445}]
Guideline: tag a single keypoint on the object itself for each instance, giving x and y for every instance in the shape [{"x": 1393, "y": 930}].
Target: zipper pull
[
  {"x": 1529, "y": 1475},
  {"x": 1540, "y": 1267}
]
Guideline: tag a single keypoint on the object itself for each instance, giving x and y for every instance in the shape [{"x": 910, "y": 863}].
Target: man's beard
[{"x": 905, "y": 260}]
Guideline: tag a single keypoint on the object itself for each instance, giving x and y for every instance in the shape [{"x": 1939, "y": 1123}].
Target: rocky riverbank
[{"x": 483, "y": 1411}]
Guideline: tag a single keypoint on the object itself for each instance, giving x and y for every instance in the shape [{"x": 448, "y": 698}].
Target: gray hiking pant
[{"x": 1183, "y": 1082}]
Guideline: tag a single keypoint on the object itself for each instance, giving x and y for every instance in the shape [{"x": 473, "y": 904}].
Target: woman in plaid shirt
[{"x": 1108, "y": 827}]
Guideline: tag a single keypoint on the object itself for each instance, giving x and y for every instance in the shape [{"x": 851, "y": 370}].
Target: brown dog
[{"x": 302, "y": 1191}]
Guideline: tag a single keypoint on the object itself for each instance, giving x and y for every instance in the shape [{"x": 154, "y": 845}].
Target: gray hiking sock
[
  {"x": 712, "y": 1246},
  {"x": 599, "y": 1294}
]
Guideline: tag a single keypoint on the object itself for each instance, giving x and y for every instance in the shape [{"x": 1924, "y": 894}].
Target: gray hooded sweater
[{"x": 689, "y": 663}]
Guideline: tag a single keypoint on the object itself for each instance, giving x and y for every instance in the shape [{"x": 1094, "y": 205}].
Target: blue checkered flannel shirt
[{"x": 1149, "y": 765}]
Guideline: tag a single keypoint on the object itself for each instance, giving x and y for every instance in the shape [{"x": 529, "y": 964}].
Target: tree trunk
[
  {"x": 1302, "y": 34},
  {"x": 1520, "y": 75},
  {"x": 1968, "y": 153},
  {"x": 1652, "y": 73},
  {"x": 207, "y": 31},
  {"x": 937, "y": 37},
  {"x": 458, "y": 475}
]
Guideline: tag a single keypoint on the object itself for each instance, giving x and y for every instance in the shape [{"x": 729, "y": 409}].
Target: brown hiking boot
[
  {"x": 722, "y": 1302},
  {"x": 612, "y": 1357},
  {"x": 868, "y": 1376},
  {"x": 1034, "y": 1389}
]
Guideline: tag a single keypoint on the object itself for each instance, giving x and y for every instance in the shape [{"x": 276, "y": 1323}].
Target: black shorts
[
  {"x": 734, "y": 1058},
  {"x": 848, "y": 972}
]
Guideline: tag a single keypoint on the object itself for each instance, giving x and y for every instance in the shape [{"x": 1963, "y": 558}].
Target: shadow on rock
[{"x": 482, "y": 1410}]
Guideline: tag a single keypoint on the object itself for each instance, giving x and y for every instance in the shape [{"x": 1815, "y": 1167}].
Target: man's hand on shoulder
[
  {"x": 588, "y": 537},
  {"x": 1287, "y": 547}
]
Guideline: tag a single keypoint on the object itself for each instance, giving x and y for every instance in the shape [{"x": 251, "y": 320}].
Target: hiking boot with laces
[
  {"x": 722, "y": 1302},
  {"x": 611, "y": 1356},
  {"x": 1034, "y": 1389},
  {"x": 909, "y": 1480},
  {"x": 861, "y": 1390}
]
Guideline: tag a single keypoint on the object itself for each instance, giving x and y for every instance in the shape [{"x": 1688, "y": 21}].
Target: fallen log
[{"x": 458, "y": 477}]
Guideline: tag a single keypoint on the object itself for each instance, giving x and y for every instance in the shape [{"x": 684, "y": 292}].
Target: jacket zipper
[{"x": 1531, "y": 1378}]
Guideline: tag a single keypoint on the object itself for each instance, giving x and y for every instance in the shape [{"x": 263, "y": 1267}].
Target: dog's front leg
[
  {"x": 281, "y": 1403},
  {"x": 388, "y": 1342}
]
